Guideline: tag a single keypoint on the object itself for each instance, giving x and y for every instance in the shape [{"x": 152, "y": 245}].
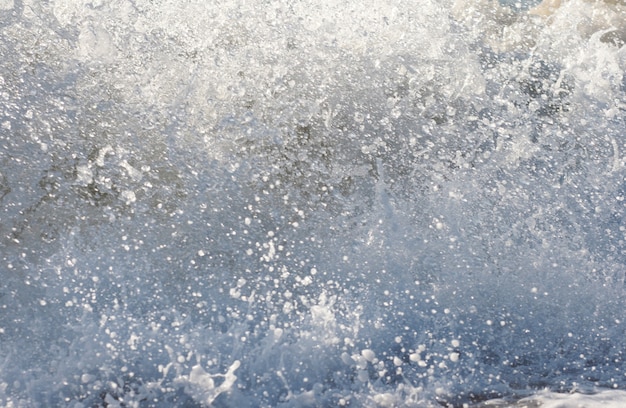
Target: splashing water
[{"x": 311, "y": 203}]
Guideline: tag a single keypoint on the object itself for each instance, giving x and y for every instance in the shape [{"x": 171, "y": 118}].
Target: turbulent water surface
[{"x": 312, "y": 203}]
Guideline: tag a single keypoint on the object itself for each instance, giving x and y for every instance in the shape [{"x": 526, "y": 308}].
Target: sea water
[{"x": 298, "y": 203}]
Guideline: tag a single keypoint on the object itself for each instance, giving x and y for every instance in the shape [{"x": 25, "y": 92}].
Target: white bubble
[
  {"x": 368, "y": 354},
  {"x": 87, "y": 378}
]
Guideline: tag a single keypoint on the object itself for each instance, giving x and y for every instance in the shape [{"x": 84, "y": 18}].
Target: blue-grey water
[{"x": 298, "y": 203}]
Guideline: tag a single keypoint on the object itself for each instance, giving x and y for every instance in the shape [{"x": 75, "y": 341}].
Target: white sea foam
[{"x": 600, "y": 399}]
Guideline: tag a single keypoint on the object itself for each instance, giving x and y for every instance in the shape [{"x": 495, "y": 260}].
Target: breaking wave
[{"x": 298, "y": 203}]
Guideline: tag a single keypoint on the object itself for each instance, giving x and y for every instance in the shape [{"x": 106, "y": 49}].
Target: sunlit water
[{"x": 299, "y": 203}]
